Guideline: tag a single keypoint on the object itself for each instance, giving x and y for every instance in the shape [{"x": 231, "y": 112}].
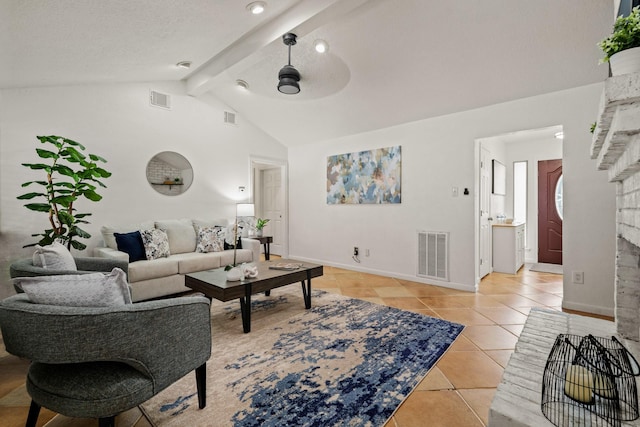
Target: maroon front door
[{"x": 549, "y": 219}]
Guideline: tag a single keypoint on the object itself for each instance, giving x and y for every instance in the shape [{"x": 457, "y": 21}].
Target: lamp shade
[{"x": 245, "y": 209}]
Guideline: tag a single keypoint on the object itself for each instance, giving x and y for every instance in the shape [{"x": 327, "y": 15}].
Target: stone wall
[{"x": 616, "y": 148}]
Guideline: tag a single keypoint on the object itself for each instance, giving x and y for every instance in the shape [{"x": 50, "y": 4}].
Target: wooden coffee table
[{"x": 214, "y": 284}]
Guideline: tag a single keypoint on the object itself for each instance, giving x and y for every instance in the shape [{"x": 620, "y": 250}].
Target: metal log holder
[{"x": 589, "y": 381}]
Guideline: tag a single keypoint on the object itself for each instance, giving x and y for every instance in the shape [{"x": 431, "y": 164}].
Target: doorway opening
[
  {"x": 269, "y": 179},
  {"x": 520, "y": 152}
]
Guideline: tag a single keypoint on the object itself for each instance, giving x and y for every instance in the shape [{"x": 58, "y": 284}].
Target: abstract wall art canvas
[{"x": 367, "y": 177}]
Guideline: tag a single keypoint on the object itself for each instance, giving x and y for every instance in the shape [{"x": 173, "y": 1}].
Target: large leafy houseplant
[
  {"x": 626, "y": 35},
  {"x": 70, "y": 175}
]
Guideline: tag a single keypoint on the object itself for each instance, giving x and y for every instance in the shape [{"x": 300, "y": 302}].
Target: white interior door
[
  {"x": 485, "y": 212},
  {"x": 273, "y": 207}
]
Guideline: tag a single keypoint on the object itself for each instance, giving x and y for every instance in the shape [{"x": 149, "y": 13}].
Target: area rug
[
  {"x": 344, "y": 362},
  {"x": 546, "y": 268}
]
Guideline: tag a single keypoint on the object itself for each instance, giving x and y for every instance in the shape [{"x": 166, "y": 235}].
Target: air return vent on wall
[
  {"x": 230, "y": 118},
  {"x": 433, "y": 258},
  {"x": 158, "y": 99}
]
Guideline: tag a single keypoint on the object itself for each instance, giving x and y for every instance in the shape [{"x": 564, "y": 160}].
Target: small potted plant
[
  {"x": 622, "y": 48},
  {"x": 260, "y": 223}
]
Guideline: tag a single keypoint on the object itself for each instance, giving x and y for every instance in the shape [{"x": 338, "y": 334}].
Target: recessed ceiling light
[
  {"x": 256, "y": 7},
  {"x": 184, "y": 64},
  {"x": 321, "y": 46},
  {"x": 242, "y": 84}
]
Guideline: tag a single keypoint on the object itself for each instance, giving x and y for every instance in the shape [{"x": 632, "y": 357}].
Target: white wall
[
  {"x": 438, "y": 154},
  {"x": 117, "y": 122},
  {"x": 531, "y": 152}
]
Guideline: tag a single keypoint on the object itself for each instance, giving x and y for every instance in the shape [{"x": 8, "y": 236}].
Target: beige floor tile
[
  {"x": 424, "y": 290},
  {"x": 515, "y": 300},
  {"x": 490, "y": 337},
  {"x": 399, "y": 291},
  {"x": 514, "y": 329},
  {"x": 435, "y": 380},
  {"x": 472, "y": 369},
  {"x": 547, "y": 299},
  {"x": 359, "y": 292},
  {"x": 502, "y": 315},
  {"x": 500, "y": 356},
  {"x": 463, "y": 343},
  {"x": 443, "y": 408},
  {"x": 480, "y": 401},
  {"x": 410, "y": 303},
  {"x": 441, "y": 302},
  {"x": 464, "y": 316},
  {"x": 477, "y": 300},
  {"x": 13, "y": 372}
]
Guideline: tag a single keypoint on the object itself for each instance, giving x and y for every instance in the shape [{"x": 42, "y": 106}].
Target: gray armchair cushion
[
  {"x": 135, "y": 351},
  {"x": 25, "y": 268}
]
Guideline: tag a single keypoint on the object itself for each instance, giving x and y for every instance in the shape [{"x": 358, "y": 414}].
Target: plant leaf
[
  {"x": 39, "y": 207},
  {"x": 92, "y": 195},
  {"x": 29, "y": 196}
]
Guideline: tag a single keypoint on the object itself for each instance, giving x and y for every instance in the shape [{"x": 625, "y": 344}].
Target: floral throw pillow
[
  {"x": 209, "y": 239},
  {"x": 156, "y": 243}
]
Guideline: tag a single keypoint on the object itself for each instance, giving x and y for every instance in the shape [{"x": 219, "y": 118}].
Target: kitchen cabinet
[{"x": 508, "y": 247}]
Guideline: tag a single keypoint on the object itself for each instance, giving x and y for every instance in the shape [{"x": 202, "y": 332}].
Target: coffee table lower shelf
[{"x": 214, "y": 284}]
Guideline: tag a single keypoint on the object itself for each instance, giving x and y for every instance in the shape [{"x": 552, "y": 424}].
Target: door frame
[{"x": 257, "y": 163}]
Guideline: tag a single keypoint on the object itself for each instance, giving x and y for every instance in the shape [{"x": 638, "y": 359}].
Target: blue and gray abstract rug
[{"x": 344, "y": 362}]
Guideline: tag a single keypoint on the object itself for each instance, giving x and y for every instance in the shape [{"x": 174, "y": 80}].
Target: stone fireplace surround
[{"x": 616, "y": 150}]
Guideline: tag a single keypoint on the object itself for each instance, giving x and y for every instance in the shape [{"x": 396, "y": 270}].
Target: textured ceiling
[{"x": 390, "y": 61}]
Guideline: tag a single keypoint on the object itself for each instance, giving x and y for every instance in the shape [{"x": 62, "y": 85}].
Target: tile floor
[{"x": 456, "y": 392}]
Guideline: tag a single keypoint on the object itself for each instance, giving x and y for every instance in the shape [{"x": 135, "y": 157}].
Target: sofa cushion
[
  {"x": 209, "y": 239},
  {"x": 108, "y": 230},
  {"x": 144, "y": 270},
  {"x": 78, "y": 290},
  {"x": 55, "y": 256},
  {"x": 182, "y": 235},
  {"x": 242, "y": 255},
  {"x": 192, "y": 262},
  {"x": 215, "y": 222},
  {"x": 156, "y": 243},
  {"x": 131, "y": 243}
]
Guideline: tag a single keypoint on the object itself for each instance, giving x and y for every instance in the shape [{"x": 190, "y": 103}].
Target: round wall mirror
[{"x": 169, "y": 173}]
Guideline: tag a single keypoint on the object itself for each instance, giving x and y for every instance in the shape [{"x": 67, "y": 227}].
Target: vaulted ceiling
[{"x": 389, "y": 61}]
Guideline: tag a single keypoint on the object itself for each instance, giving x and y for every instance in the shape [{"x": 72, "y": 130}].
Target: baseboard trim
[
  {"x": 586, "y": 308},
  {"x": 426, "y": 281}
]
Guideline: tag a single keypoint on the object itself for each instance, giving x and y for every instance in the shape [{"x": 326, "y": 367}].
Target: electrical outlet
[
  {"x": 578, "y": 277},
  {"x": 356, "y": 251}
]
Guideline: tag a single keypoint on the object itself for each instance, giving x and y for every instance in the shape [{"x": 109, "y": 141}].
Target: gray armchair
[{"x": 95, "y": 362}]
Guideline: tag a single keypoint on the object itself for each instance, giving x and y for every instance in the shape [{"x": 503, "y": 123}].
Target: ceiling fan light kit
[{"x": 288, "y": 76}]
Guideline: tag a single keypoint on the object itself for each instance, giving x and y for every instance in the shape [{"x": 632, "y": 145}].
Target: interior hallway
[{"x": 456, "y": 392}]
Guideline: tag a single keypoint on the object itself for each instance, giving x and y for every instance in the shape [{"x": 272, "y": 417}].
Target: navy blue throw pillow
[
  {"x": 131, "y": 243},
  {"x": 228, "y": 246}
]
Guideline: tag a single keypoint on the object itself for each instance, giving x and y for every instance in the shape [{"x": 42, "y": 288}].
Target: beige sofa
[{"x": 165, "y": 276}]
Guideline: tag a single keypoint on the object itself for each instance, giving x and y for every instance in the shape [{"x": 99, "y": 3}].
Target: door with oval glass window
[{"x": 550, "y": 211}]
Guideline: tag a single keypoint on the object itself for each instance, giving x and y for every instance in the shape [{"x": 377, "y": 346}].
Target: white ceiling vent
[
  {"x": 230, "y": 118},
  {"x": 158, "y": 99}
]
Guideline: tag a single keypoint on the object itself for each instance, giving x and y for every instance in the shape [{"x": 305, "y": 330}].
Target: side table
[{"x": 266, "y": 241}]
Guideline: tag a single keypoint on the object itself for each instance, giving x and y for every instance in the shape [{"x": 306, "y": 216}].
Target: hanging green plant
[{"x": 70, "y": 175}]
